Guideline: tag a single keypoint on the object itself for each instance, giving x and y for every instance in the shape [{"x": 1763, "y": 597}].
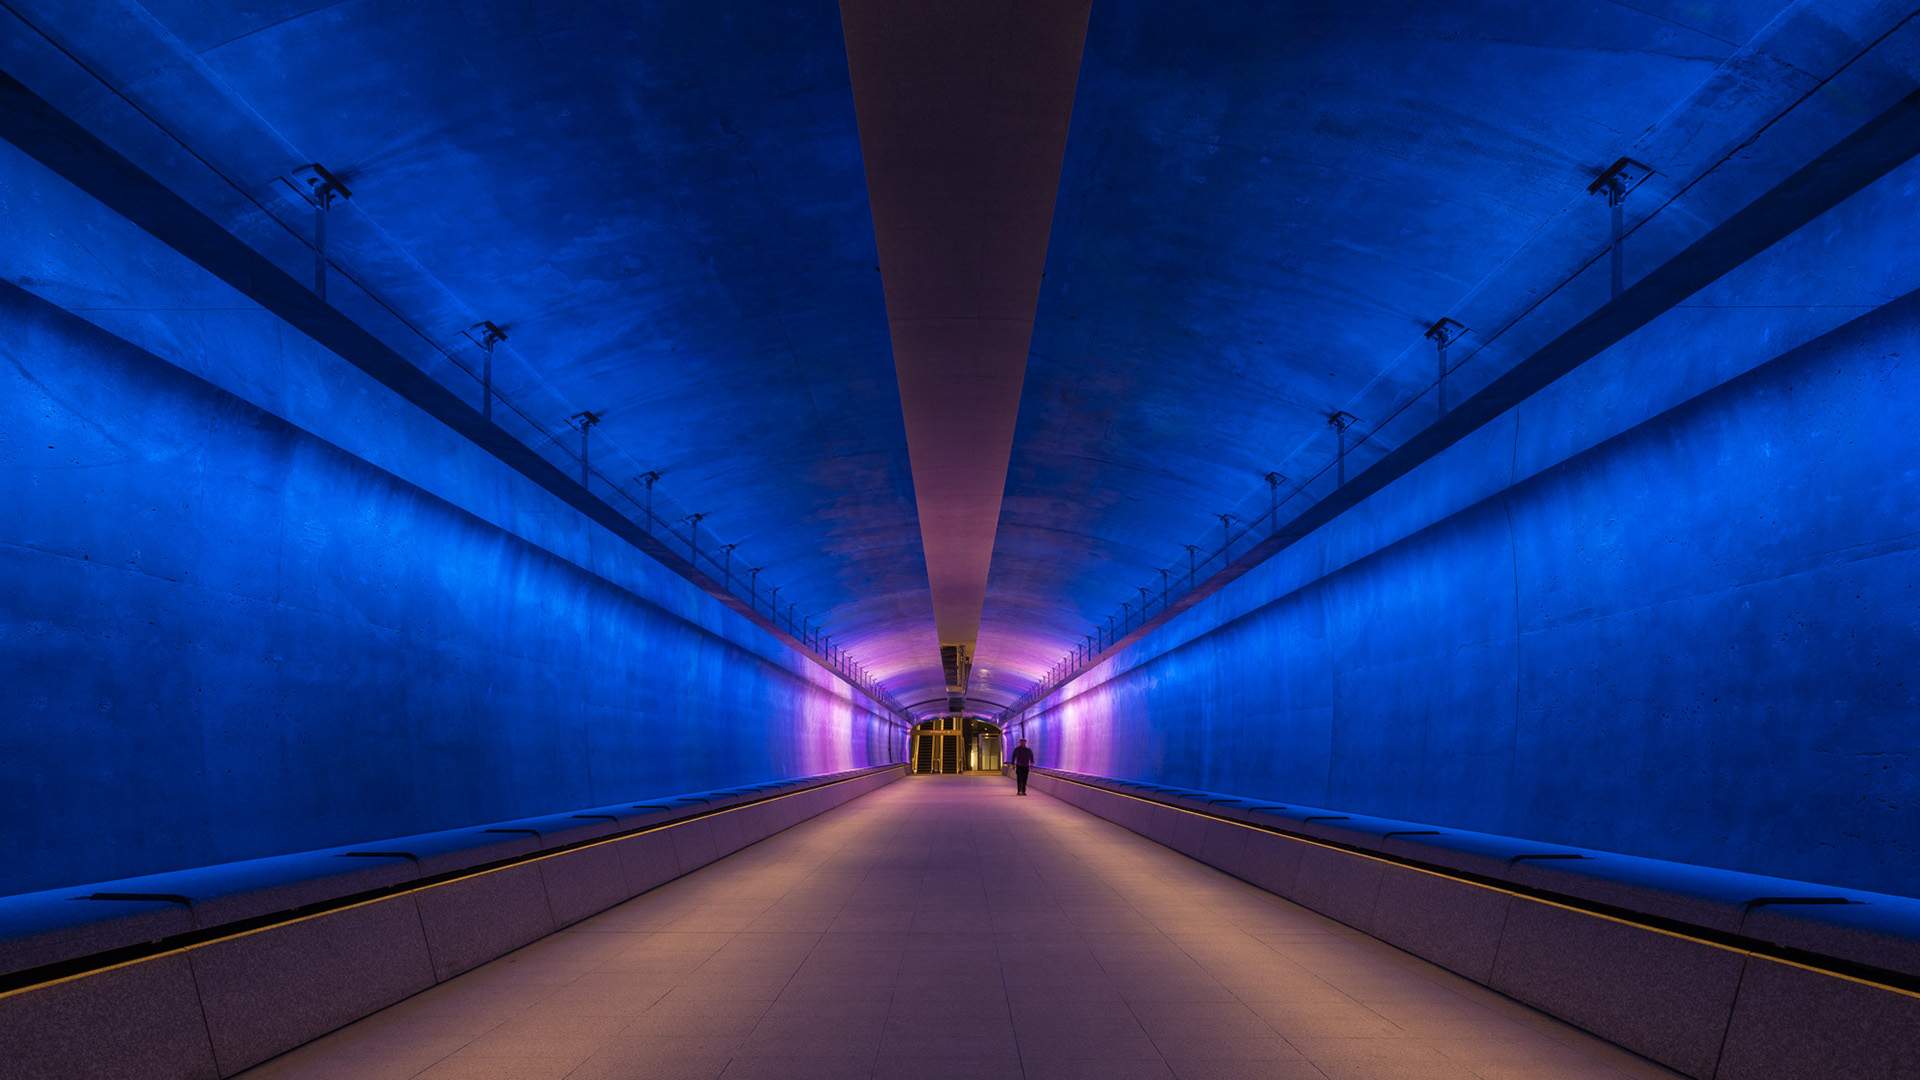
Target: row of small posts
[
  {"x": 322, "y": 190},
  {"x": 1614, "y": 184}
]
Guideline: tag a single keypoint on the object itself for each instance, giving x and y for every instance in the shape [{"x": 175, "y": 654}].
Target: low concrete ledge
[
  {"x": 205, "y": 973},
  {"x": 1456, "y": 926},
  {"x": 1716, "y": 974},
  {"x": 1664, "y": 997},
  {"x": 470, "y": 921},
  {"x": 131, "y": 1022},
  {"x": 1790, "y": 1024},
  {"x": 264, "y": 993}
]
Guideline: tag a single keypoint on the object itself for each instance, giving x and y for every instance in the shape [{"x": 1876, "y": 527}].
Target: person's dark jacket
[{"x": 1022, "y": 757}]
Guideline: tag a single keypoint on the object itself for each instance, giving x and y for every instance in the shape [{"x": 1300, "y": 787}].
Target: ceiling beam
[{"x": 963, "y": 111}]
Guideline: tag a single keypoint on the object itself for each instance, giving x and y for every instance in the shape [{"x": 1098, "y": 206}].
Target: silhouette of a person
[{"x": 1022, "y": 761}]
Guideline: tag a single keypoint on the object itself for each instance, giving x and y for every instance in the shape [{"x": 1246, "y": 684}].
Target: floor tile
[
  {"x": 939, "y": 929},
  {"x": 501, "y": 1068}
]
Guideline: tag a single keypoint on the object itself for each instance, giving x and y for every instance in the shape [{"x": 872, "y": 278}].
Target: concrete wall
[
  {"x": 222, "y": 636},
  {"x": 1669, "y": 607}
]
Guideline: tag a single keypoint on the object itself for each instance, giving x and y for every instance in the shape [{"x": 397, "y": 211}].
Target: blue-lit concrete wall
[
  {"x": 222, "y": 636},
  {"x": 1670, "y": 607}
]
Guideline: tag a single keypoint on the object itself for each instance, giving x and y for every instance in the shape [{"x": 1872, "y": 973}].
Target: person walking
[{"x": 1022, "y": 761}]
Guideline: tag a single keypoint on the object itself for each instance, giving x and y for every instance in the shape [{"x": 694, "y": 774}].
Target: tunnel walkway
[{"x": 942, "y": 927}]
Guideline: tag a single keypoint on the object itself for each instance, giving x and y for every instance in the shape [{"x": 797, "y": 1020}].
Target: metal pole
[
  {"x": 585, "y": 421},
  {"x": 1273, "y": 501},
  {"x": 1442, "y": 333},
  {"x": 1617, "y": 201},
  {"x": 320, "y": 243},
  {"x": 1226, "y": 538},
  {"x": 486, "y": 335},
  {"x": 1616, "y": 183},
  {"x": 726, "y": 571},
  {"x": 693, "y": 539},
  {"x": 649, "y": 477},
  {"x": 1341, "y": 421},
  {"x": 486, "y": 384},
  {"x": 1192, "y": 567},
  {"x": 321, "y": 188}
]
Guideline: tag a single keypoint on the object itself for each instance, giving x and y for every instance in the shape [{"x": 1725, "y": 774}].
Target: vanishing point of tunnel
[{"x": 975, "y": 539}]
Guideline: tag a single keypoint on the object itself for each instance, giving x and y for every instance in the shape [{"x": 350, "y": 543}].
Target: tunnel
[{"x": 978, "y": 539}]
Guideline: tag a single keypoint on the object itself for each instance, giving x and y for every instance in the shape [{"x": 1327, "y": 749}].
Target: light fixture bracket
[{"x": 1618, "y": 180}]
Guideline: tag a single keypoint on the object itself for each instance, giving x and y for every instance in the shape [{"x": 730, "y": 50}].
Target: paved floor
[{"x": 942, "y": 928}]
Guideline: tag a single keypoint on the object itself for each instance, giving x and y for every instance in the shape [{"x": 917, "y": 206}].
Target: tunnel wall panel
[
  {"x": 223, "y": 637},
  {"x": 1691, "y": 640}
]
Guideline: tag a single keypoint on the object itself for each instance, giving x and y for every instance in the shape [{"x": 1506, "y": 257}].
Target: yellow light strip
[
  {"x": 1444, "y": 876},
  {"x": 514, "y": 865}
]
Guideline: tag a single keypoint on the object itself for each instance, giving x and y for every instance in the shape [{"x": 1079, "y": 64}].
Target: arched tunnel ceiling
[
  {"x": 664, "y": 205},
  {"x": 1260, "y": 208}
]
